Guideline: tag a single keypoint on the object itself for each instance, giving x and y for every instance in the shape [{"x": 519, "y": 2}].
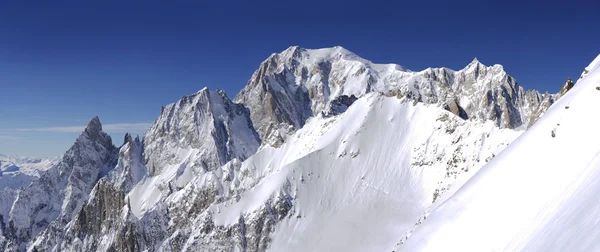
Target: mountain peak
[
  {"x": 475, "y": 66},
  {"x": 93, "y": 131},
  {"x": 475, "y": 63},
  {"x": 94, "y": 125},
  {"x": 128, "y": 138}
]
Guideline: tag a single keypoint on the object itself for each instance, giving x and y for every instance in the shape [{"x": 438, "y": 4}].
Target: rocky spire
[
  {"x": 128, "y": 138},
  {"x": 94, "y": 124},
  {"x": 93, "y": 129}
]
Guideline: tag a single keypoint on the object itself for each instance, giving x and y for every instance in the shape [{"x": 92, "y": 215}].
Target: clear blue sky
[{"x": 63, "y": 62}]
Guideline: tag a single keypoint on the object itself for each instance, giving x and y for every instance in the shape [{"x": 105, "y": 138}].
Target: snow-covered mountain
[
  {"x": 51, "y": 201},
  {"x": 321, "y": 151},
  {"x": 540, "y": 194},
  {"x": 20, "y": 171},
  {"x": 15, "y": 173},
  {"x": 298, "y": 83}
]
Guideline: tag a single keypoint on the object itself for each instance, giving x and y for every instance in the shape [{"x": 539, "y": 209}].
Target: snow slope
[
  {"x": 375, "y": 167},
  {"x": 540, "y": 194}
]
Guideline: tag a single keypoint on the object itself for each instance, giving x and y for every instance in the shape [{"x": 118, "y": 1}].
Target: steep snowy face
[
  {"x": 20, "y": 171},
  {"x": 206, "y": 123},
  {"x": 540, "y": 194},
  {"x": 334, "y": 169},
  {"x": 130, "y": 168},
  {"x": 291, "y": 86},
  {"x": 62, "y": 189},
  {"x": 378, "y": 167}
]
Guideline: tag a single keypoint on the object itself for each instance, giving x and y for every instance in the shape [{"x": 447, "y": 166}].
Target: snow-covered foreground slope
[{"x": 540, "y": 194}]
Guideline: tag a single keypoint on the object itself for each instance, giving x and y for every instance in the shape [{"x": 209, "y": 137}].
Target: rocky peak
[
  {"x": 128, "y": 138},
  {"x": 475, "y": 63},
  {"x": 476, "y": 67},
  {"x": 93, "y": 128},
  {"x": 291, "y": 86},
  {"x": 206, "y": 123},
  {"x": 130, "y": 167},
  {"x": 61, "y": 190}
]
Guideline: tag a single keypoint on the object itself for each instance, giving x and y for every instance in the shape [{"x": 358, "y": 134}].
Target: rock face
[
  {"x": 316, "y": 136},
  {"x": 546, "y": 102},
  {"x": 565, "y": 88},
  {"x": 52, "y": 201},
  {"x": 207, "y": 122}
]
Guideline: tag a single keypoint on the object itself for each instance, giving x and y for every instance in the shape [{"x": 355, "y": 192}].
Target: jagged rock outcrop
[
  {"x": 53, "y": 200},
  {"x": 546, "y": 101},
  {"x": 130, "y": 169},
  {"x": 565, "y": 88},
  {"x": 339, "y": 105}
]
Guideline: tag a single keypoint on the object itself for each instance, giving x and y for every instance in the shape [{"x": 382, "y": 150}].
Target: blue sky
[{"x": 64, "y": 62}]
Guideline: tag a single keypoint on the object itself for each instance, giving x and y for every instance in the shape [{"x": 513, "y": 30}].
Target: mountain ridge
[
  {"x": 218, "y": 174},
  {"x": 291, "y": 86}
]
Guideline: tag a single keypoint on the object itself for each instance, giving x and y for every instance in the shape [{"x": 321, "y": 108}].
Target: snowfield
[
  {"x": 354, "y": 179},
  {"x": 540, "y": 194}
]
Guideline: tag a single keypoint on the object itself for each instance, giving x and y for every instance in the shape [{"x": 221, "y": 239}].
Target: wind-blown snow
[{"x": 540, "y": 194}]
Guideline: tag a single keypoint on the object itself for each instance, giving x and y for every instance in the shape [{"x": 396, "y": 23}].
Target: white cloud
[{"x": 109, "y": 128}]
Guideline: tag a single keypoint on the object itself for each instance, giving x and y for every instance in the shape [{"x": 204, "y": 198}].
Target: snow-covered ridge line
[{"x": 296, "y": 84}]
